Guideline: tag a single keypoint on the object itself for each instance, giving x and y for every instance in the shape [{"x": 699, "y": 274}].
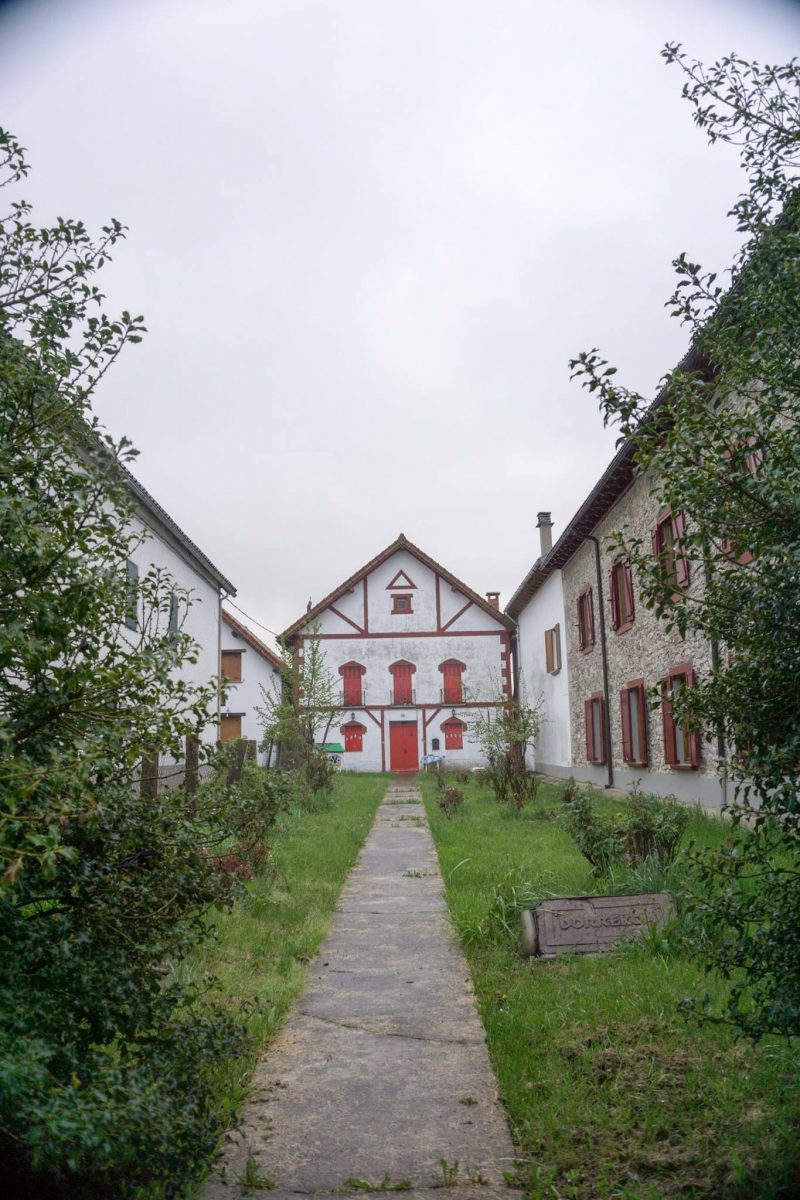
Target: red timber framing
[{"x": 441, "y": 575}]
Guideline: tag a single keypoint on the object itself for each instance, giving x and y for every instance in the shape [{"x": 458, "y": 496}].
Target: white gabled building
[
  {"x": 417, "y": 652},
  {"x": 165, "y": 547},
  {"x": 542, "y": 661},
  {"x": 248, "y": 665}
]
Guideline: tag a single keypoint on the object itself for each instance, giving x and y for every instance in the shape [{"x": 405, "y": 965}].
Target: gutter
[{"x": 604, "y": 651}]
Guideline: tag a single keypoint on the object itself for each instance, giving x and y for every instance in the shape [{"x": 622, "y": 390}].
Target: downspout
[{"x": 604, "y": 652}]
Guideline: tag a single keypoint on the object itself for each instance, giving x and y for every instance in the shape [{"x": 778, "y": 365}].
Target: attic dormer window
[{"x": 401, "y": 604}]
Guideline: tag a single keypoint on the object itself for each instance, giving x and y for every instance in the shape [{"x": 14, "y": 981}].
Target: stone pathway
[{"x": 381, "y": 1072}]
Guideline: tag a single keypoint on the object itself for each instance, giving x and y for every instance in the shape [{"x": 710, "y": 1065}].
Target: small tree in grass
[
  {"x": 723, "y": 445},
  {"x": 107, "y": 1064},
  {"x": 504, "y": 732},
  {"x": 297, "y": 712}
]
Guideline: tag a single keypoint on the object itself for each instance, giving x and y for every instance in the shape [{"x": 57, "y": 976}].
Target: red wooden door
[{"x": 403, "y": 746}]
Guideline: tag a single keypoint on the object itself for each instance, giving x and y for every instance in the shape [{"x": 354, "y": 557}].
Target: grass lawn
[
  {"x": 260, "y": 949},
  {"x": 610, "y": 1092}
]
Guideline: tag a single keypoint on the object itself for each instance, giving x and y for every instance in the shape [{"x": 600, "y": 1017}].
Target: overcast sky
[{"x": 367, "y": 236}]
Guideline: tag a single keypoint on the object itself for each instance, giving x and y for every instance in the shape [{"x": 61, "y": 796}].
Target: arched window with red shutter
[
  {"x": 453, "y": 730},
  {"x": 452, "y": 684},
  {"x": 402, "y": 690},
  {"x": 352, "y": 683},
  {"x": 353, "y": 733}
]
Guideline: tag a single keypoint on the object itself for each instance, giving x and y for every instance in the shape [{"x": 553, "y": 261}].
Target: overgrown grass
[
  {"x": 610, "y": 1093},
  {"x": 260, "y": 949}
]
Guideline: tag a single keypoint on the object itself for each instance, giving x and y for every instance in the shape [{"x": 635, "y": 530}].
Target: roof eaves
[
  {"x": 252, "y": 640},
  {"x": 151, "y": 505}
]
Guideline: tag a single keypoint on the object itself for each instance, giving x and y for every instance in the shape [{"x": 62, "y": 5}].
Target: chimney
[
  {"x": 544, "y": 524},
  {"x": 494, "y": 599}
]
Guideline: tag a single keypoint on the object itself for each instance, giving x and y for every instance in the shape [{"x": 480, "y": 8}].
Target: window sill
[
  {"x": 683, "y": 766},
  {"x": 586, "y": 649},
  {"x": 557, "y": 671},
  {"x": 630, "y": 763},
  {"x": 624, "y": 628}
]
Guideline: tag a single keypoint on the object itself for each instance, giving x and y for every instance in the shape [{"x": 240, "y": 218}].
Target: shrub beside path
[{"x": 381, "y": 1075}]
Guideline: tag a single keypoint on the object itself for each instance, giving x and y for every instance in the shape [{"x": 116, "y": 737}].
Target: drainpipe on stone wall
[
  {"x": 604, "y": 652},
  {"x": 515, "y": 664}
]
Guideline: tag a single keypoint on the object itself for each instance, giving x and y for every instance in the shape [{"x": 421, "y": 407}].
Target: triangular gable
[
  {"x": 402, "y": 543},
  {"x": 401, "y": 582}
]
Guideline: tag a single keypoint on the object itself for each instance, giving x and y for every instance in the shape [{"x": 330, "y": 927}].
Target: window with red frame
[
  {"x": 666, "y": 541},
  {"x": 352, "y": 683},
  {"x": 402, "y": 691},
  {"x": 453, "y": 731},
  {"x": 621, "y": 592},
  {"x": 353, "y": 733},
  {"x": 681, "y": 744},
  {"x": 452, "y": 684},
  {"x": 595, "y": 728},
  {"x": 585, "y": 618},
  {"x": 633, "y": 719},
  {"x": 401, "y": 604}
]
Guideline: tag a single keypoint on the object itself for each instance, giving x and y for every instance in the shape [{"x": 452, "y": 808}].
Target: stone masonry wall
[{"x": 645, "y": 651}]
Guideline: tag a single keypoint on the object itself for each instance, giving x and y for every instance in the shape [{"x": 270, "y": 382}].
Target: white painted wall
[
  {"x": 245, "y": 696},
  {"x": 552, "y": 751},
  {"x": 200, "y": 617},
  {"x": 474, "y": 638}
]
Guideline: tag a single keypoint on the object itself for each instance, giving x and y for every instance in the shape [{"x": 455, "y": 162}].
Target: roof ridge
[{"x": 401, "y": 542}]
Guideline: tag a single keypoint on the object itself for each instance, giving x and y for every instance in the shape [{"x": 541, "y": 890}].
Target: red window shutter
[
  {"x": 351, "y": 683},
  {"x": 590, "y": 617},
  {"x": 452, "y": 682},
  {"x": 353, "y": 736},
  {"x": 453, "y": 734},
  {"x": 625, "y": 718},
  {"x": 548, "y": 650},
  {"x": 582, "y": 622},
  {"x": 668, "y": 722},
  {"x": 693, "y": 748},
  {"x": 644, "y": 757},
  {"x": 587, "y": 711},
  {"x": 601, "y": 709},
  {"x": 627, "y": 578},
  {"x": 613, "y": 581},
  {"x": 401, "y": 673},
  {"x": 655, "y": 542},
  {"x": 681, "y": 561}
]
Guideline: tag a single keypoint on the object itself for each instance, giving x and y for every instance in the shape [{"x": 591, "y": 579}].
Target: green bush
[
  {"x": 450, "y": 799},
  {"x": 649, "y": 829}
]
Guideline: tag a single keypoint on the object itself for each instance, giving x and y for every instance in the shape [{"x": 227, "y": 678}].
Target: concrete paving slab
[{"x": 381, "y": 1071}]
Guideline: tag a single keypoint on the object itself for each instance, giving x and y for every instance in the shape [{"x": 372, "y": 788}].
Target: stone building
[
  {"x": 611, "y": 666},
  {"x": 416, "y": 652}
]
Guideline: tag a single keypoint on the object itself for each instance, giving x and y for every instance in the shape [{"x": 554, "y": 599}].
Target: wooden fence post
[{"x": 148, "y": 780}]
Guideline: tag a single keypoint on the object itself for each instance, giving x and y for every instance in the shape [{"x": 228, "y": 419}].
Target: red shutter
[
  {"x": 627, "y": 578},
  {"x": 655, "y": 542},
  {"x": 453, "y": 734},
  {"x": 548, "y": 651},
  {"x": 625, "y": 716},
  {"x": 582, "y": 622},
  {"x": 613, "y": 577},
  {"x": 641, "y": 704},
  {"x": 668, "y": 722},
  {"x": 601, "y": 709},
  {"x": 587, "y": 712},
  {"x": 351, "y": 683},
  {"x": 452, "y": 682},
  {"x": 681, "y": 561},
  {"x": 401, "y": 673},
  {"x": 590, "y": 617}
]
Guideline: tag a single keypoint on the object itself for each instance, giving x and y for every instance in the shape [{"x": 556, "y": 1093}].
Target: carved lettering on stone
[{"x": 588, "y": 924}]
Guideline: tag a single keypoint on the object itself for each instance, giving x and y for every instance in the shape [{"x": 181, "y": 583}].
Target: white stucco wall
[
  {"x": 552, "y": 753},
  {"x": 361, "y": 627},
  {"x": 200, "y": 617},
  {"x": 245, "y": 696}
]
